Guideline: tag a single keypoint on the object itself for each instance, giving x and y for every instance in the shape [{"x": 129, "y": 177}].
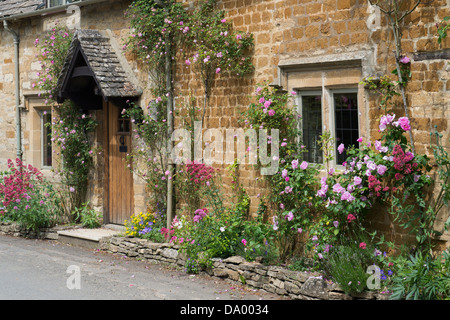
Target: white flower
[{"x": 222, "y": 229}]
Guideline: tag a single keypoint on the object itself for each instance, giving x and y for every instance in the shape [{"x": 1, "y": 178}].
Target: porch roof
[{"x": 103, "y": 63}]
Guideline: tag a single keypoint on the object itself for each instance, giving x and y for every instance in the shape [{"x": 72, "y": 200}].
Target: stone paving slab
[{"x": 89, "y": 234}]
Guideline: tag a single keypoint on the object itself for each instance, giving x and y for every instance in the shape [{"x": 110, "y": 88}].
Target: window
[
  {"x": 311, "y": 125},
  {"x": 46, "y": 142},
  {"x": 343, "y": 123},
  {"x": 345, "y": 105},
  {"x": 56, "y": 3}
]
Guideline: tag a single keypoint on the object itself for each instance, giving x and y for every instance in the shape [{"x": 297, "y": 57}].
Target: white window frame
[
  {"x": 42, "y": 129},
  {"x": 328, "y": 95},
  {"x": 300, "y": 94},
  {"x": 332, "y": 93}
]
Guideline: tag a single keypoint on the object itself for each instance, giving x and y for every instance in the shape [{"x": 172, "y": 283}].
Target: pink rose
[
  {"x": 404, "y": 123},
  {"x": 304, "y": 165},
  {"x": 341, "y": 148},
  {"x": 405, "y": 60}
]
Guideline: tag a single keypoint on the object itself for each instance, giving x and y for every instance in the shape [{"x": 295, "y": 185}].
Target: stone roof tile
[
  {"x": 14, "y": 7},
  {"x": 104, "y": 63}
]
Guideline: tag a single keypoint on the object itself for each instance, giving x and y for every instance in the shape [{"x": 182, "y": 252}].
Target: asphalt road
[{"x": 44, "y": 270}]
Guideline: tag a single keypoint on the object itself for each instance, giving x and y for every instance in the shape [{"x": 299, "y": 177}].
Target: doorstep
[{"x": 89, "y": 238}]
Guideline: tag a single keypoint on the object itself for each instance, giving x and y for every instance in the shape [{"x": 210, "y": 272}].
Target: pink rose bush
[{"x": 387, "y": 171}]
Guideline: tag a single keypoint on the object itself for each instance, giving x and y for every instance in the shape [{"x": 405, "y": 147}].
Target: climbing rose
[
  {"x": 404, "y": 123},
  {"x": 385, "y": 120},
  {"x": 405, "y": 60},
  {"x": 304, "y": 165},
  {"x": 341, "y": 148}
]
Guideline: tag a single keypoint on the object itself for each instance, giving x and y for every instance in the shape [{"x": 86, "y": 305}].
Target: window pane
[
  {"x": 46, "y": 139},
  {"x": 312, "y": 127},
  {"x": 54, "y": 3},
  {"x": 346, "y": 121}
]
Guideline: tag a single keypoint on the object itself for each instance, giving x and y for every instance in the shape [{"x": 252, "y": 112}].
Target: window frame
[
  {"x": 300, "y": 94},
  {"x": 328, "y": 96},
  {"x": 332, "y": 119},
  {"x": 42, "y": 130},
  {"x": 64, "y": 2}
]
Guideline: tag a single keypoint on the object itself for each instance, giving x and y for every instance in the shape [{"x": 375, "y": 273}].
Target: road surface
[{"x": 44, "y": 270}]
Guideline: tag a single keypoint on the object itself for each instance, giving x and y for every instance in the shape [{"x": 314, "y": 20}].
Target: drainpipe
[{"x": 17, "y": 80}]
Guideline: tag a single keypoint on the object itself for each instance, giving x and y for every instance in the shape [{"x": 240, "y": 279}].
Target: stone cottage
[{"x": 319, "y": 49}]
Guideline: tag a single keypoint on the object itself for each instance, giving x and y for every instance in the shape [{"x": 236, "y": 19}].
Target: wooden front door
[{"x": 119, "y": 195}]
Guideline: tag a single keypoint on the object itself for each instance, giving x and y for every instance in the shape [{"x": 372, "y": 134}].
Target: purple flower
[
  {"x": 304, "y": 165},
  {"x": 405, "y": 60},
  {"x": 404, "y": 123},
  {"x": 341, "y": 148},
  {"x": 290, "y": 216},
  {"x": 347, "y": 196},
  {"x": 385, "y": 120},
  {"x": 336, "y": 224},
  {"x": 381, "y": 169},
  {"x": 338, "y": 188}
]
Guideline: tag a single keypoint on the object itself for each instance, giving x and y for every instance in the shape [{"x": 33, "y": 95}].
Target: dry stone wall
[{"x": 274, "y": 279}]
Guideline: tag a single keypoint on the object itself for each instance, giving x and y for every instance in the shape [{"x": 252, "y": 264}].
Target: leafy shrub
[
  {"x": 88, "y": 217},
  {"x": 347, "y": 266},
  {"x": 423, "y": 277}
]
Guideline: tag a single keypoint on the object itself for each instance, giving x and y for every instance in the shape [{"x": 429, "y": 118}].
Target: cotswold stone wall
[
  {"x": 286, "y": 33},
  {"x": 273, "y": 279},
  {"x": 13, "y": 229}
]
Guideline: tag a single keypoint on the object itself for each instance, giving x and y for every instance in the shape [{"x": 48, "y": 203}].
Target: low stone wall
[
  {"x": 274, "y": 279},
  {"x": 13, "y": 229}
]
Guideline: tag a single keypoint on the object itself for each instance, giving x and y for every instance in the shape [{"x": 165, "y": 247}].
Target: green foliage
[
  {"x": 442, "y": 30},
  {"x": 71, "y": 130},
  {"x": 423, "y": 277},
  {"x": 384, "y": 87},
  {"x": 89, "y": 217},
  {"x": 347, "y": 266},
  {"x": 53, "y": 49},
  {"x": 148, "y": 159}
]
